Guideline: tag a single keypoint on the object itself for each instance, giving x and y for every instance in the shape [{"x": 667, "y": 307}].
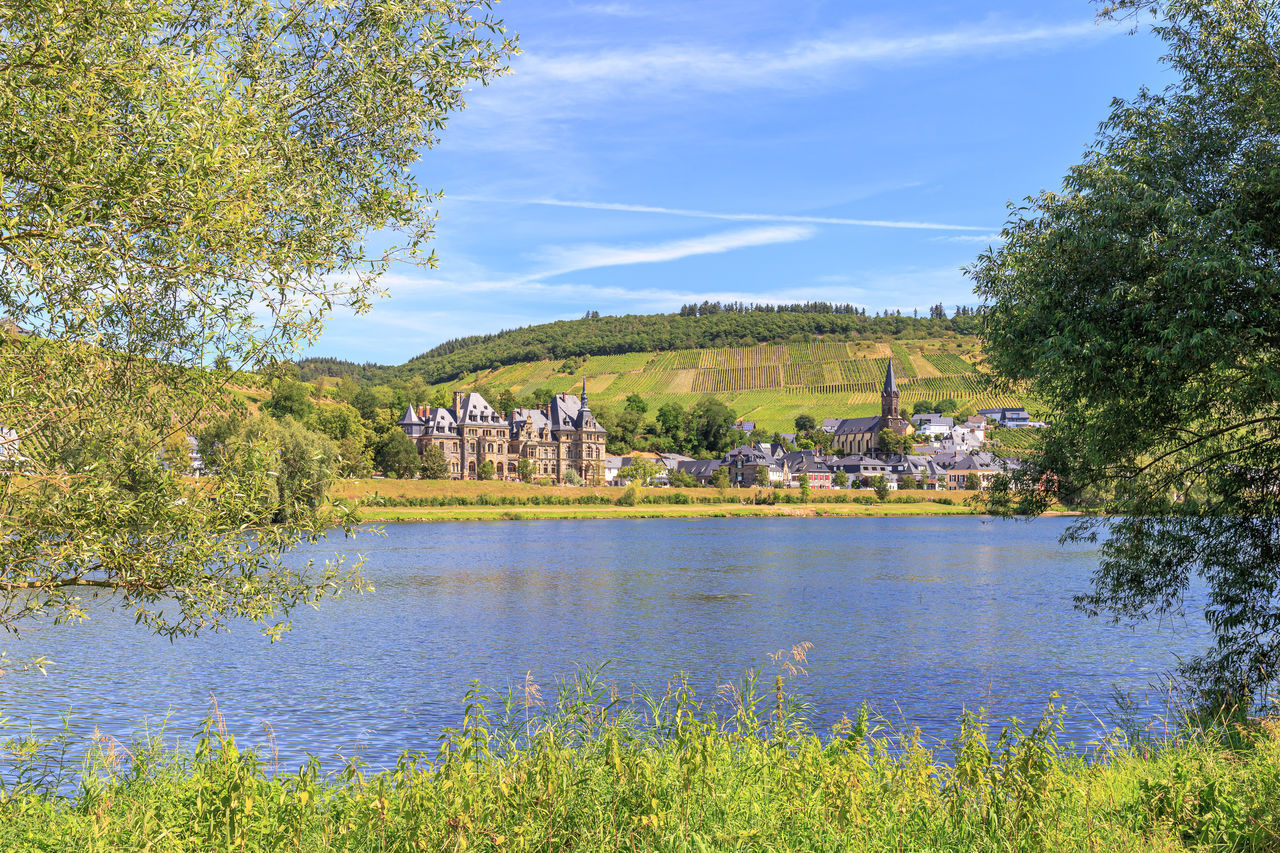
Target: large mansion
[{"x": 560, "y": 437}]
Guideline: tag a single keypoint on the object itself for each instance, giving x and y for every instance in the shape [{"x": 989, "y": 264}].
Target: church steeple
[
  {"x": 889, "y": 394},
  {"x": 584, "y": 393}
]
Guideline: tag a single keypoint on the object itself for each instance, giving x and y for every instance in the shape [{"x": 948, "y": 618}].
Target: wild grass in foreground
[{"x": 591, "y": 772}]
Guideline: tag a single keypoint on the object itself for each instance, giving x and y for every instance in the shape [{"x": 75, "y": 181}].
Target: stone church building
[{"x": 859, "y": 436}]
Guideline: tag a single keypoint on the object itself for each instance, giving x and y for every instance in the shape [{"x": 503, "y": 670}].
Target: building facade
[
  {"x": 557, "y": 439},
  {"x": 860, "y": 436}
]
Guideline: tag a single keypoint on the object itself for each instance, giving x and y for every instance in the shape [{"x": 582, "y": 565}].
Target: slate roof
[
  {"x": 945, "y": 421},
  {"x": 857, "y": 425},
  {"x": 476, "y": 410},
  {"x": 700, "y": 467},
  {"x": 890, "y": 384},
  {"x": 569, "y": 412},
  {"x": 441, "y": 422},
  {"x": 410, "y": 418},
  {"x": 533, "y": 417},
  {"x": 830, "y": 424}
]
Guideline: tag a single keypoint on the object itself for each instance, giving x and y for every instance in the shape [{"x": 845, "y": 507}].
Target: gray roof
[
  {"x": 830, "y": 424},
  {"x": 568, "y": 412},
  {"x": 476, "y": 410},
  {"x": 934, "y": 419},
  {"x": 410, "y": 417},
  {"x": 535, "y": 418},
  {"x": 856, "y": 425},
  {"x": 441, "y": 421},
  {"x": 700, "y": 467},
  {"x": 890, "y": 385}
]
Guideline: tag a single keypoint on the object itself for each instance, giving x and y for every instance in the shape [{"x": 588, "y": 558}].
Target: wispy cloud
[
  {"x": 738, "y": 217},
  {"x": 707, "y": 67},
  {"x": 993, "y": 237},
  {"x": 561, "y": 260}
]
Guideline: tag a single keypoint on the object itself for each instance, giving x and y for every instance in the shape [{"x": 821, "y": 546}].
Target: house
[
  {"x": 812, "y": 467},
  {"x": 855, "y": 436},
  {"x": 983, "y": 465},
  {"x": 1009, "y": 418},
  {"x": 915, "y": 468},
  {"x": 861, "y": 469},
  {"x": 933, "y": 425},
  {"x": 701, "y": 470},
  {"x": 564, "y": 436},
  {"x": 745, "y": 460}
]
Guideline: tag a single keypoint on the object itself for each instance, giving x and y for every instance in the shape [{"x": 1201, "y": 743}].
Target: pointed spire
[
  {"x": 584, "y": 392},
  {"x": 890, "y": 384}
]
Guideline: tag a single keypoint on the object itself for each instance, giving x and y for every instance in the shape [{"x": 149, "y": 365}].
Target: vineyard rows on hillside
[{"x": 769, "y": 384}]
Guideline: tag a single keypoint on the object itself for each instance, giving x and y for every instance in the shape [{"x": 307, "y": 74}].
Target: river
[{"x": 917, "y": 616}]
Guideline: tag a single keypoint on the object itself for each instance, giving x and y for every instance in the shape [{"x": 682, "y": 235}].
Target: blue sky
[{"x": 643, "y": 154}]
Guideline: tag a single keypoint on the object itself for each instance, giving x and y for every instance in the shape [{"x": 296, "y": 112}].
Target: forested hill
[{"x": 709, "y": 325}]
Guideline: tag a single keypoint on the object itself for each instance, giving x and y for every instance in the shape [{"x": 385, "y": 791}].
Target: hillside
[
  {"x": 706, "y": 326},
  {"x": 768, "y": 384},
  {"x": 827, "y": 363}
]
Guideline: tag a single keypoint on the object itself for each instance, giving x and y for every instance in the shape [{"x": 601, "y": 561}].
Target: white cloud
[
  {"x": 985, "y": 239},
  {"x": 574, "y": 258},
  {"x": 701, "y": 66},
  {"x": 741, "y": 217}
]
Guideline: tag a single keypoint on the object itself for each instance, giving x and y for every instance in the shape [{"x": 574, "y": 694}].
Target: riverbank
[
  {"x": 446, "y": 500},
  {"x": 594, "y": 774}
]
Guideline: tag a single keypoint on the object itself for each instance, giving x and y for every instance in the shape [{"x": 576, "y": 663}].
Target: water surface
[{"x": 917, "y": 616}]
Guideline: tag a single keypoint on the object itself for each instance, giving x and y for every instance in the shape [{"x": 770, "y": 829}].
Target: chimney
[{"x": 457, "y": 404}]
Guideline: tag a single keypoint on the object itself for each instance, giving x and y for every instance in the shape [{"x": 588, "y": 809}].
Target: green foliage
[
  {"x": 571, "y": 478},
  {"x": 972, "y": 482},
  {"x": 642, "y": 470},
  {"x": 881, "y": 485},
  {"x": 629, "y": 496},
  {"x": 804, "y": 423},
  {"x": 762, "y": 476},
  {"x": 588, "y": 770},
  {"x": 187, "y": 191},
  {"x": 434, "y": 464},
  {"x": 291, "y": 399},
  {"x": 395, "y": 455},
  {"x": 720, "y": 477},
  {"x": 682, "y": 479},
  {"x": 840, "y": 479},
  {"x": 1141, "y": 305},
  {"x": 526, "y": 470},
  {"x": 805, "y": 493},
  {"x": 636, "y": 403},
  {"x": 486, "y": 471}
]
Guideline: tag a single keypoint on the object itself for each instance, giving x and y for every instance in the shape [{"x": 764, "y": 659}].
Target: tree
[
  {"x": 290, "y": 399},
  {"x": 486, "y": 471},
  {"x": 395, "y": 455},
  {"x": 635, "y": 403},
  {"x": 355, "y": 459},
  {"x": 804, "y": 423},
  {"x": 188, "y": 189},
  {"x": 972, "y": 482},
  {"x": 642, "y": 470},
  {"x": 571, "y": 478},
  {"x": 682, "y": 479},
  {"x": 840, "y": 479},
  {"x": 881, "y": 485},
  {"x": 762, "y": 475},
  {"x": 526, "y": 469},
  {"x": 670, "y": 420},
  {"x": 1141, "y": 305},
  {"x": 720, "y": 477},
  {"x": 924, "y": 407},
  {"x": 434, "y": 464},
  {"x": 713, "y": 423},
  {"x": 805, "y": 493}
]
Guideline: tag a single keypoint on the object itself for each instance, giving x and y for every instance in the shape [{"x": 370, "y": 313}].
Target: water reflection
[{"x": 917, "y": 616}]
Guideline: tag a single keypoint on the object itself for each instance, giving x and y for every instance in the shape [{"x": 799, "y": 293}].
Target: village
[{"x": 564, "y": 443}]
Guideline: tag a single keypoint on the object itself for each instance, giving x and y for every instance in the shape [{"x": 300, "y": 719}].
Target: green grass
[{"x": 592, "y": 772}]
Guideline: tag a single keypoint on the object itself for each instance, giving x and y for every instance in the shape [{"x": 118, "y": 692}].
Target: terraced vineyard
[{"x": 768, "y": 384}]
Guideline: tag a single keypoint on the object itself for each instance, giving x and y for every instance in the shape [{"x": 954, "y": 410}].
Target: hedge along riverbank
[
  {"x": 653, "y": 497},
  {"x": 592, "y": 772}
]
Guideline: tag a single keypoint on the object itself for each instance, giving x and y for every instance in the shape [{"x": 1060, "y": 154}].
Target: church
[
  {"x": 560, "y": 437},
  {"x": 859, "y": 436}
]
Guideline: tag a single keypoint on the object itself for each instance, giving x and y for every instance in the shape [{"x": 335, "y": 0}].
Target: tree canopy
[
  {"x": 186, "y": 188},
  {"x": 1141, "y": 305}
]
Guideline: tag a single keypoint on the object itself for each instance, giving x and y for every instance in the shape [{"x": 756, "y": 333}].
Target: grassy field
[
  {"x": 770, "y": 383},
  {"x": 449, "y": 500},
  {"x": 593, "y": 770}
]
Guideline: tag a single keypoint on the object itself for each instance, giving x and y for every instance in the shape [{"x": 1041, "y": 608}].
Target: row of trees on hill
[{"x": 639, "y": 333}]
